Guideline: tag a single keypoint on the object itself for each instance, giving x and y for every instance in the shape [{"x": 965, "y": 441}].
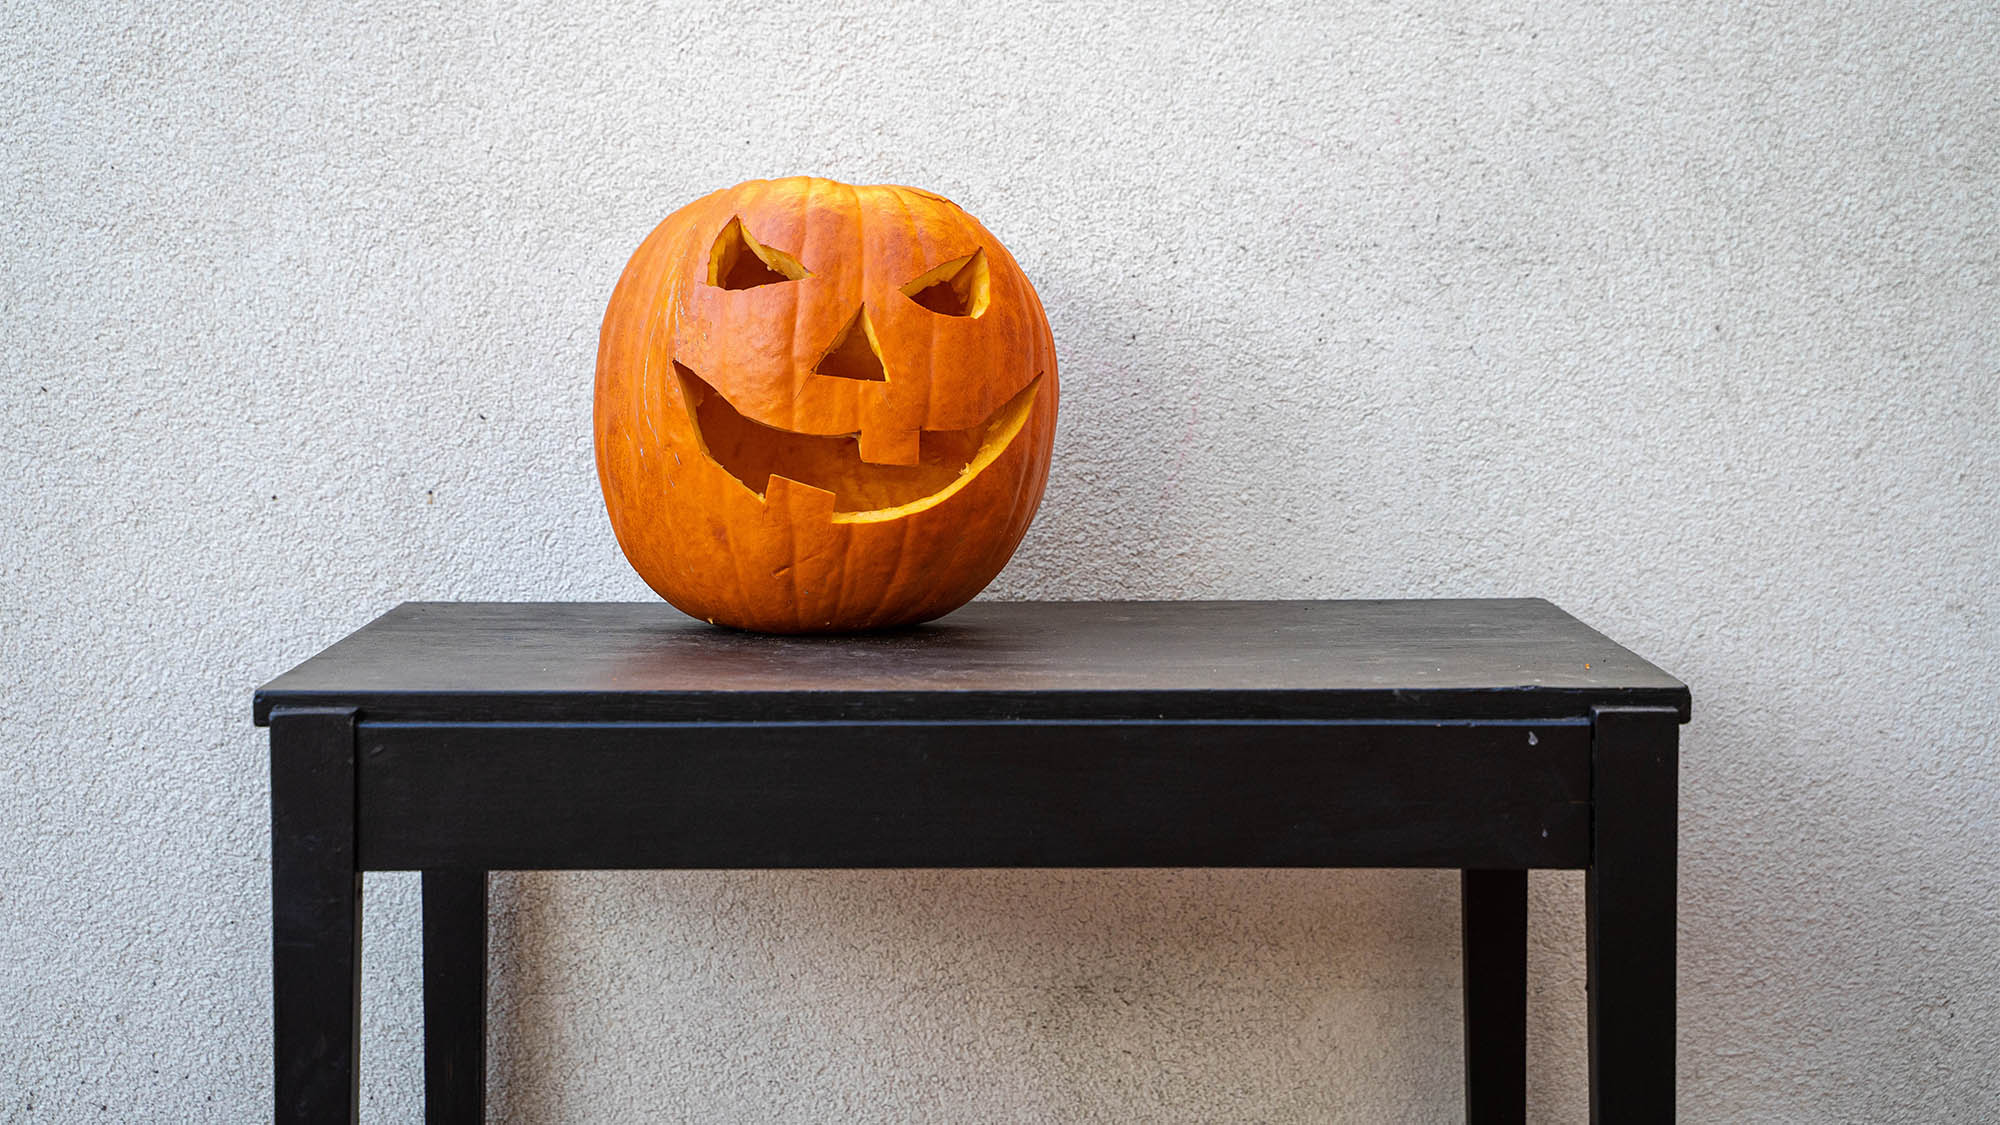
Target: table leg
[
  {"x": 1495, "y": 955},
  {"x": 1629, "y": 897},
  {"x": 454, "y": 996},
  {"x": 315, "y": 917}
]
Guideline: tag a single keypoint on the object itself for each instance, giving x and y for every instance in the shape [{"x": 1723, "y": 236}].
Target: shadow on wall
[
  {"x": 976, "y": 991},
  {"x": 1134, "y": 493}
]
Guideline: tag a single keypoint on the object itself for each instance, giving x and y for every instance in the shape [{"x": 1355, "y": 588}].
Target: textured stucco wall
[{"x": 1683, "y": 315}]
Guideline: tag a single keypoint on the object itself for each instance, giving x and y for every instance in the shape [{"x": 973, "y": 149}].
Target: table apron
[{"x": 507, "y": 796}]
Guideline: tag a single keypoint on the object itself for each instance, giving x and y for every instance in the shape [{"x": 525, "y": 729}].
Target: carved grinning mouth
[{"x": 863, "y": 492}]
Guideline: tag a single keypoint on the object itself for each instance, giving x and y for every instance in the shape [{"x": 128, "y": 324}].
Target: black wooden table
[{"x": 1491, "y": 736}]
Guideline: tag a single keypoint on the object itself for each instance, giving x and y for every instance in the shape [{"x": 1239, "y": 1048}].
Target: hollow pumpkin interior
[{"x": 753, "y": 453}]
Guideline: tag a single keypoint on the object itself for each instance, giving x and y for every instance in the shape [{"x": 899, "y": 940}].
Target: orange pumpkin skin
[{"x": 822, "y": 408}]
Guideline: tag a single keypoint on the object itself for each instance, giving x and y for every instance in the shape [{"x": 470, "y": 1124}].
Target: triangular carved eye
[
  {"x": 960, "y": 287},
  {"x": 855, "y": 354},
  {"x": 739, "y": 261}
]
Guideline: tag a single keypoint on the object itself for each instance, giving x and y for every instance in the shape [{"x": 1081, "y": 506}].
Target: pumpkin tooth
[{"x": 883, "y": 446}]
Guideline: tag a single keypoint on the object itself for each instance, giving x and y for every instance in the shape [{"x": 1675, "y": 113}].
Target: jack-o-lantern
[{"x": 822, "y": 407}]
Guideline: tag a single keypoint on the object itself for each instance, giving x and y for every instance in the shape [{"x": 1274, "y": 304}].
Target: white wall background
[{"x": 1683, "y": 315}]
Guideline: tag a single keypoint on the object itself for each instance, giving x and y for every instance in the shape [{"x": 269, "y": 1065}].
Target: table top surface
[{"x": 1445, "y": 660}]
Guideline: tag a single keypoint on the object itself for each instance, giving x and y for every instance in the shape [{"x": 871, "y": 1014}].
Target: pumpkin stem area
[{"x": 753, "y": 453}]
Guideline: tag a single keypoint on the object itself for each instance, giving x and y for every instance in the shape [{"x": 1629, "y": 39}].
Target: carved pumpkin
[{"x": 822, "y": 407}]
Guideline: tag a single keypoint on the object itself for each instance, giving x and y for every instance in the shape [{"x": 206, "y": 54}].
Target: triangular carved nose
[{"x": 854, "y": 354}]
